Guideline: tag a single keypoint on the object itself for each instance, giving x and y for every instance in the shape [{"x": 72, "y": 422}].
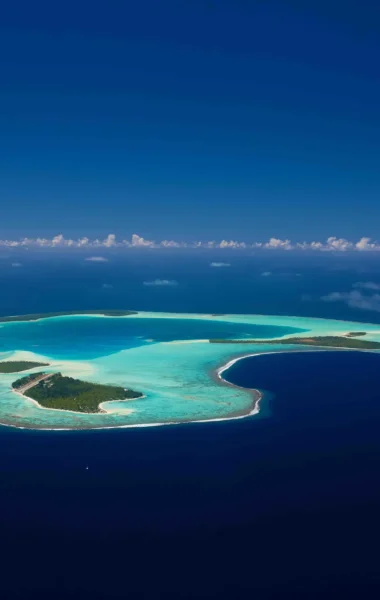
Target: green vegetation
[
  {"x": 320, "y": 341},
  {"x": 27, "y": 379},
  {"x": 355, "y": 333},
  {"x": 15, "y": 366},
  {"x": 67, "y": 393},
  {"x": 105, "y": 313}
]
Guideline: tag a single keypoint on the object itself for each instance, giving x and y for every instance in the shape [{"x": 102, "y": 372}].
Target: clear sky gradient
[{"x": 190, "y": 119}]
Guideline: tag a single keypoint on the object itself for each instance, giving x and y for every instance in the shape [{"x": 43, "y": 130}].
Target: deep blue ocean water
[{"x": 284, "y": 506}]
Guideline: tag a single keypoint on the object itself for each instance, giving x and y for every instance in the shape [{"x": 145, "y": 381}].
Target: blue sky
[{"x": 190, "y": 119}]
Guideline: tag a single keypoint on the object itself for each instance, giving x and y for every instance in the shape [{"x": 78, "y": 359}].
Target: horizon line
[{"x": 59, "y": 241}]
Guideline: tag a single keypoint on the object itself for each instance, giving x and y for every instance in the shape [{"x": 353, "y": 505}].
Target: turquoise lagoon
[{"x": 165, "y": 356}]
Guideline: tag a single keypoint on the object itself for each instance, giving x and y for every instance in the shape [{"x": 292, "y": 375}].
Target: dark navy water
[
  {"x": 311, "y": 385},
  {"x": 279, "y": 507}
]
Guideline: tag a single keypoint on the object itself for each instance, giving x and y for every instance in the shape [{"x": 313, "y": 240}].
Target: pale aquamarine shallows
[{"x": 165, "y": 356}]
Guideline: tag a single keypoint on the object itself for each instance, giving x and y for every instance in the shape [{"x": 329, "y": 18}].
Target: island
[
  {"x": 53, "y": 390},
  {"x": 355, "y": 333},
  {"x": 332, "y": 341},
  {"x": 97, "y": 359},
  {"x": 16, "y": 366},
  {"x": 38, "y": 316}
]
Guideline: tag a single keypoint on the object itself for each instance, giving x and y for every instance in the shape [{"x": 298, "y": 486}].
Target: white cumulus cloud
[
  {"x": 366, "y": 244},
  {"x": 96, "y": 259},
  {"x": 310, "y": 245},
  {"x": 140, "y": 242},
  {"x": 58, "y": 240},
  {"x": 340, "y": 244},
  {"x": 232, "y": 244},
  {"x": 355, "y": 299},
  {"x": 219, "y": 264},
  {"x": 172, "y": 244},
  {"x": 110, "y": 240},
  {"x": 276, "y": 244},
  {"x": 83, "y": 242},
  {"x": 332, "y": 244},
  {"x": 162, "y": 283},
  {"x": 367, "y": 285}
]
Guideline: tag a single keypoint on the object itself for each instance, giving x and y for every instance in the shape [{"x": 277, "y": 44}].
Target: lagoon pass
[{"x": 166, "y": 357}]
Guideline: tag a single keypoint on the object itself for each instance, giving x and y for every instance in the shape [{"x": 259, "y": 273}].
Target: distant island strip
[
  {"x": 16, "y": 366},
  {"x": 36, "y": 317},
  {"x": 53, "y": 390},
  {"x": 326, "y": 341},
  {"x": 354, "y": 334}
]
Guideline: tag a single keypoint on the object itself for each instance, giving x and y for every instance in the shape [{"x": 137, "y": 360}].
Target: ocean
[{"x": 283, "y": 505}]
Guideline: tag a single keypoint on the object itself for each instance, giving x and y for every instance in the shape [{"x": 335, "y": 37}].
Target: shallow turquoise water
[
  {"x": 165, "y": 356},
  {"x": 92, "y": 337}
]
